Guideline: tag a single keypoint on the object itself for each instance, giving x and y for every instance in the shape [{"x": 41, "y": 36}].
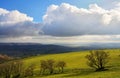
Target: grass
[{"x": 76, "y": 65}]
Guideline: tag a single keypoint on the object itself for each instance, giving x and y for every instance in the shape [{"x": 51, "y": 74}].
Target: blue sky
[{"x": 37, "y": 8}]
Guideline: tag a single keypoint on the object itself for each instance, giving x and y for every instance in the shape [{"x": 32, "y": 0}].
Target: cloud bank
[{"x": 69, "y": 20}]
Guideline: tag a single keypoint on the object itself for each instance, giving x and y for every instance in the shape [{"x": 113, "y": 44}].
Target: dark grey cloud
[{"x": 20, "y": 29}]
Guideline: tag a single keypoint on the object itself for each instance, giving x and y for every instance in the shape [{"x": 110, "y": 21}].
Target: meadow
[{"x": 76, "y": 65}]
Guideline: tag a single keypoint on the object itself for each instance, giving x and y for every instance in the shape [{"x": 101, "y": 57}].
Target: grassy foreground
[{"x": 76, "y": 65}]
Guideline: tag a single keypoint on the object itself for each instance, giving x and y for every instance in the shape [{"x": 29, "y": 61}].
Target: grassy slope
[{"x": 76, "y": 64}]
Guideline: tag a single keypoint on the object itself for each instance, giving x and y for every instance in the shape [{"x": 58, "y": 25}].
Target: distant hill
[{"x": 29, "y": 49}]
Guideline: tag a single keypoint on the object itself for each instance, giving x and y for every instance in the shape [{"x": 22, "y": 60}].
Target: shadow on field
[{"x": 77, "y": 72}]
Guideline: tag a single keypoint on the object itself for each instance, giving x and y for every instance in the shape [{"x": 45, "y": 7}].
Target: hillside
[{"x": 76, "y": 65}]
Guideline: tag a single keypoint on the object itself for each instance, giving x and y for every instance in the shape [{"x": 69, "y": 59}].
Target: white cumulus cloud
[{"x": 69, "y": 20}]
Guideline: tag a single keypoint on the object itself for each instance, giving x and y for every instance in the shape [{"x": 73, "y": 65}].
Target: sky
[{"x": 60, "y": 21}]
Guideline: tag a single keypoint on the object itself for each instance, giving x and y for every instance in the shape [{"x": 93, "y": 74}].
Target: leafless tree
[
  {"x": 29, "y": 71},
  {"x": 47, "y": 65},
  {"x": 43, "y": 66},
  {"x": 17, "y": 68},
  {"x": 11, "y": 69},
  {"x": 50, "y": 65},
  {"x": 60, "y": 65}
]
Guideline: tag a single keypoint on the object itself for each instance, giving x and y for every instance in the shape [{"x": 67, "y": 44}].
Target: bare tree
[
  {"x": 60, "y": 65},
  {"x": 50, "y": 65},
  {"x": 5, "y": 71},
  {"x": 17, "y": 68},
  {"x": 29, "y": 71},
  {"x": 47, "y": 65},
  {"x": 98, "y": 59},
  {"x": 12, "y": 69},
  {"x": 43, "y": 66}
]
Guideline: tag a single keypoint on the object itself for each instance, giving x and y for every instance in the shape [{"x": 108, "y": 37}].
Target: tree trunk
[
  {"x": 62, "y": 69},
  {"x": 51, "y": 71}
]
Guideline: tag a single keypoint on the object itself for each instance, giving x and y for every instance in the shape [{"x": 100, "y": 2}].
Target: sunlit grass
[{"x": 76, "y": 65}]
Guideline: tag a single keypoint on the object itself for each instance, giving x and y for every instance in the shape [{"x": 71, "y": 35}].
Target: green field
[{"x": 76, "y": 65}]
